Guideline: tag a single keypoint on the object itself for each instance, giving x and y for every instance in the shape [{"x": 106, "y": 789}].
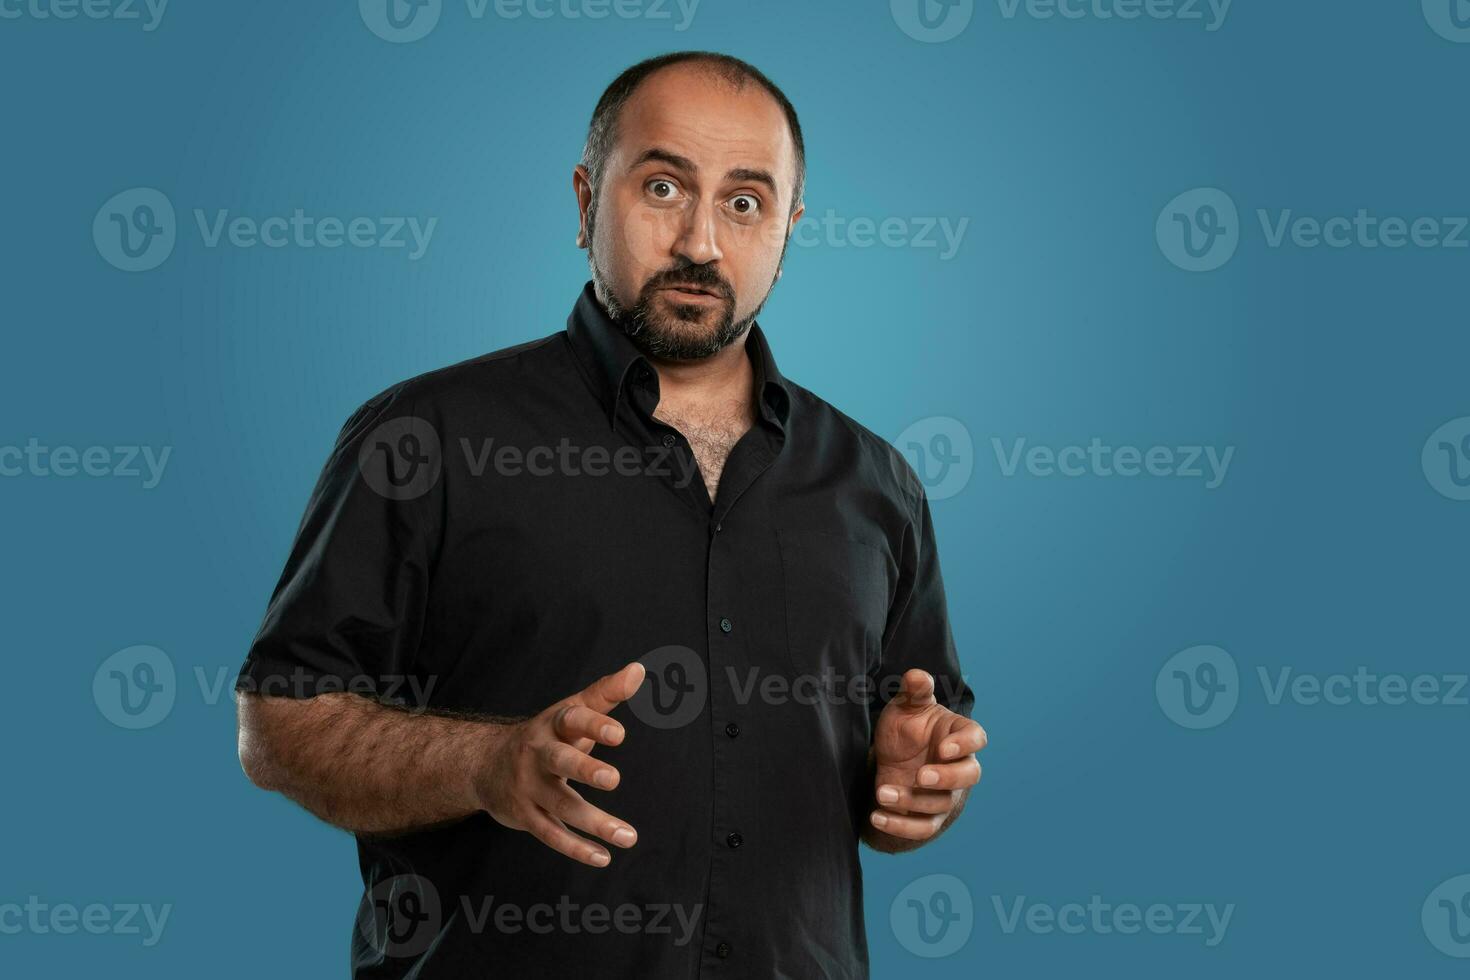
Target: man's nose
[{"x": 698, "y": 240}]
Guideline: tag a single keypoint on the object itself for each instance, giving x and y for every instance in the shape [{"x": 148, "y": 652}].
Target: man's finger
[
  {"x": 951, "y": 775},
  {"x": 577, "y": 721},
  {"x": 917, "y": 690},
  {"x": 550, "y": 831},
  {"x": 606, "y": 693},
  {"x": 965, "y": 737},
  {"x": 561, "y": 759},
  {"x": 901, "y": 800},
  {"x": 567, "y": 805},
  {"x": 910, "y": 828}
]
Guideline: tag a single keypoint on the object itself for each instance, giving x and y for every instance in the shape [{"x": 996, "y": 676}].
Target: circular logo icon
[
  {"x": 940, "y": 450},
  {"x": 933, "y": 916},
  {"x": 1446, "y": 917},
  {"x": 1450, "y": 19},
  {"x": 135, "y": 230},
  {"x": 1198, "y": 687},
  {"x": 401, "y": 459},
  {"x": 1199, "y": 230},
  {"x": 401, "y": 916},
  {"x": 135, "y": 688},
  {"x": 674, "y": 689},
  {"x": 400, "y": 21},
  {"x": 932, "y": 21},
  {"x": 1446, "y": 459}
]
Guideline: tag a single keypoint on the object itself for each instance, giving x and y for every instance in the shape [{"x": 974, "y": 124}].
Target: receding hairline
[{"x": 603, "y": 131}]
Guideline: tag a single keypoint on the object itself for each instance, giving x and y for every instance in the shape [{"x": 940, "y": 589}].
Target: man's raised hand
[
  {"x": 525, "y": 783},
  {"x": 925, "y": 760}
]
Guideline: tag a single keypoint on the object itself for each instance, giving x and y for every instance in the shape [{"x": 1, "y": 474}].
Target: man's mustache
[{"x": 695, "y": 275}]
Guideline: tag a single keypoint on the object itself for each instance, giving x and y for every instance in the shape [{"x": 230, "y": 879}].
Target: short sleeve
[
  {"x": 918, "y": 631},
  {"x": 348, "y": 613}
]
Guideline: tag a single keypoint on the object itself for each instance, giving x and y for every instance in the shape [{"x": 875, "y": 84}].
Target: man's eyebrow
[
  {"x": 672, "y": 159},
  {"x": 759, "y": 176},
  {"x": 684, "y": 163}
]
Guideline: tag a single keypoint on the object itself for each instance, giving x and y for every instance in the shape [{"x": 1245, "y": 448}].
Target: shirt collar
[{"x": 612, "y": 362}]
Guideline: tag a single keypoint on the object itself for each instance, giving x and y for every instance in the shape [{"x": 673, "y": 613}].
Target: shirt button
[
  {"x": 722, "y": 950},
  {"x": 668, "y": 439},
  {"x": 734, "y": 841},
  {"x": 726, "y": 625},
  {"x": 732, "y": 729}
]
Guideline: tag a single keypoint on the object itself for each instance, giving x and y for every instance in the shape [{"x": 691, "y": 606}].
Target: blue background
[{"x": 1059, "y": 319}]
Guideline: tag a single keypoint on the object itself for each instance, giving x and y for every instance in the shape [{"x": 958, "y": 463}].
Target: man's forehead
[{"x": 695, "y": 113}]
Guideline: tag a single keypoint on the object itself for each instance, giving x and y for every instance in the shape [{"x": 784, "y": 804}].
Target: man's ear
[
  {"x": 790, "y": 230},
  {"x": 582, "y": 185}
]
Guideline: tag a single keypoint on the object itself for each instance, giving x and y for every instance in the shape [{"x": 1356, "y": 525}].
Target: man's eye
[
  {"x": 663, "y": 189},
  {"x": 745, "y": 204}
]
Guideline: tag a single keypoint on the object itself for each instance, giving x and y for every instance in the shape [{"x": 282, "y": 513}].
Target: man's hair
[{"x": 602, "y": 133}]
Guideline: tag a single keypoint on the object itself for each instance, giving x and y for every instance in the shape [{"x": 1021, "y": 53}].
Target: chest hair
[{"x": 711, "y": 436}]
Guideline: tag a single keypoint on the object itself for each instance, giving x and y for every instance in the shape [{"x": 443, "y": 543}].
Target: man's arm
[
  {"x": 363, "y": 766},
  {"x": 372, "y": 769}
]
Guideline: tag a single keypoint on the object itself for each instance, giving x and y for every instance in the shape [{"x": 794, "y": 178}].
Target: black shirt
[{"x": 494, "y": 536}]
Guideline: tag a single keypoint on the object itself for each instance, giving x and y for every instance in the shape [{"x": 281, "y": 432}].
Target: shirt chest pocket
[{"x": 838, "y": 591}]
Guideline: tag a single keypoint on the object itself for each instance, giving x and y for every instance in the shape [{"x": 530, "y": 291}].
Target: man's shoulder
[
  {"x": 495, "y": 375},
  {"x": 834, "y": 431}
]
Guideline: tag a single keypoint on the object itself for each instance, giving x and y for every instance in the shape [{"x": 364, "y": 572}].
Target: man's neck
[{"x": 719, "y": 385}]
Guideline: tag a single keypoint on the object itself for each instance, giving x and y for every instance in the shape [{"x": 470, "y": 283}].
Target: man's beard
[{"x": 676, "y": 332}]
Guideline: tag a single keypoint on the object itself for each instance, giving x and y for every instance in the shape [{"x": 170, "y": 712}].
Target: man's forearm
[
  {"x": 887, "y": 843},
  {"x": 363, "y": 766}
]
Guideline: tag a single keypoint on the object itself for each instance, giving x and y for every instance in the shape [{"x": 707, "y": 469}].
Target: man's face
[{"x": 687, "y": 231}]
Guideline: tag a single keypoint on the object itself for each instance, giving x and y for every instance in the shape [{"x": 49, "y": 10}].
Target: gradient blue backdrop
[{"x": 1060, "y": 318}]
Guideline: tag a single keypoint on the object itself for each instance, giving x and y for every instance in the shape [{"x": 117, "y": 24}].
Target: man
[{"x": 611, "y": 646}]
